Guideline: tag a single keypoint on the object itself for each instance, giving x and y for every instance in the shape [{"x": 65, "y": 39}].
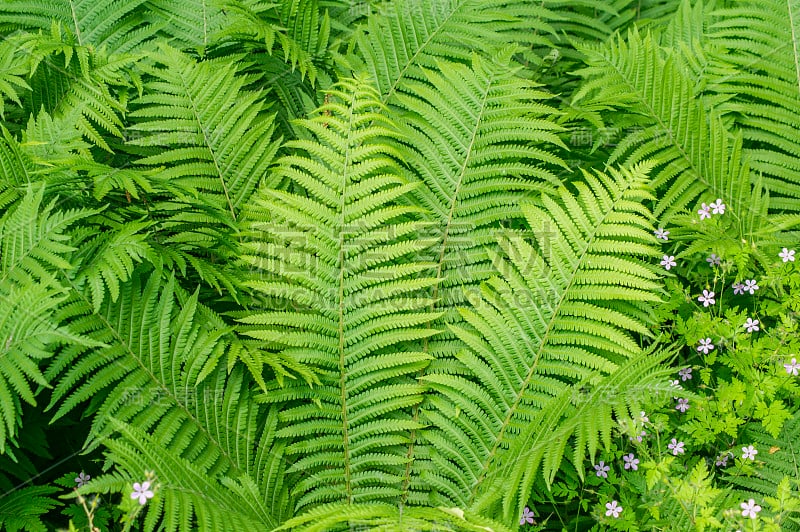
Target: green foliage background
[{"x": 339, "y": 265}]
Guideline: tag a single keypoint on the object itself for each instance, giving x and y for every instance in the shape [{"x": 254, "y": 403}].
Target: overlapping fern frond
[
  {"x": 34, "y": 250},
  {"x": 564, "y": 310},
  {"x": 115, "y": 25},
  {"x": 469, "y": 171},
  {"x": 76, "y": 82},
  {"x": 153, "y": 375},
  {"x": 342, "y": 291},
  {"x": 206, "y": 134},
  {"x": 762, "y": 41},
  {"x": 410, "y": 35},
  {"x": 695, "y": 152},
  {"x": 217, "y": 133}
]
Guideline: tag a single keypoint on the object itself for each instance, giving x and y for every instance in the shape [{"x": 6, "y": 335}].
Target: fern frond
[
  {"x": 83, "y": 89},
  {"x": 217, "y": 135},
  {"x": 341, "y": 292},
  {"x": 147, "y": 371},
  {"x": 188, "y": 493},
  {"x": 33, "y": 248},
  {"x": 694, "y": 152},
  {"x": 762, "y": 41},
  {"x": 476, "y": 137},
  {"x": 563, "y": 310},
  {"x": 408, "y": 36},
  {"x": 297, "y": 30},
  {"x": 188, "y": 24},
  {"x": 22, "y": 508},
  {"x": 109, "y": 24},
  {"x": 388, "y": 518}
]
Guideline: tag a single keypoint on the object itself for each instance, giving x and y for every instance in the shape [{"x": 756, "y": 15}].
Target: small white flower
[
  {"x": 714, "y": 260},
  {"x": 750, "y": 286},
  {"x": 82, "y": 479},
  {"x": 601, "y": 469},
  {"x": 792, "y": 367},
  {"x": 749, "y": 453},
  {"x": 643, "y": 417},
  {"x": 668, "y": 262},
  {"x": 750, "y": 509},
  {"x": 718, "y": 207},
  {"x": 685, "y": 374},
  {"x": 631, "y": 462},
  {"x": 705, "y": 345},
  {"x": 614, "y": 509},
  {"x": 738, "y": 288},
  {"x": 787, "y": 255},
  {"x": 683, "y": 405},
  {"x": 142, "y": 492},
  {"x": 751, "y": 325},
  {"x": 676, "y": 447},
  {"x": 661, "y": 233},
  {"x": 703, "y": 212},
  {"x": 707, "y": 298}
]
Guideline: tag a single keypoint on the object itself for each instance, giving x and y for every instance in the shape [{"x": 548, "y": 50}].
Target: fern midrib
[
  {"x": 205, "y": 29},
  {"x": 794, "y": 44},
  {"x": 342, "y": 368},
  {"x": 207, "y": 142},
  {"x": 414, "y": 57},
  {"x": 75, "y": 21},
  {"x": 439, "y": 267},
  {"x": 152, "y": 376},
  {"x": 542, "y": 345}
]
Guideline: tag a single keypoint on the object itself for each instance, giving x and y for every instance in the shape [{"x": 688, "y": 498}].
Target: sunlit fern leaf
[
  {"x": 477, "y": 138},
  {"x": 579, "y": 420},
  {"x": 694, "y": 152},
  {"x": 341, "y": 290},
  {"x": 23, "y": 508},
  {"x": 564, "y": 308},
  {"x": 763, "y": 41},
  {"x": 34, "y": 247},
  {"x": 408, "y": 35},
  {"x": 389, "y": 518}
]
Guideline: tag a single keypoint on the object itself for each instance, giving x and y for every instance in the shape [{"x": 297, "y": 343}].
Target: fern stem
[{"x": 342, "y": 361}]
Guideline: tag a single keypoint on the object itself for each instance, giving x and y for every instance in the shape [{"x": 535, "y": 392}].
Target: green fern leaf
[
  {"x": 561, "y": 312},
  {"x": 340, "y": 287}
]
